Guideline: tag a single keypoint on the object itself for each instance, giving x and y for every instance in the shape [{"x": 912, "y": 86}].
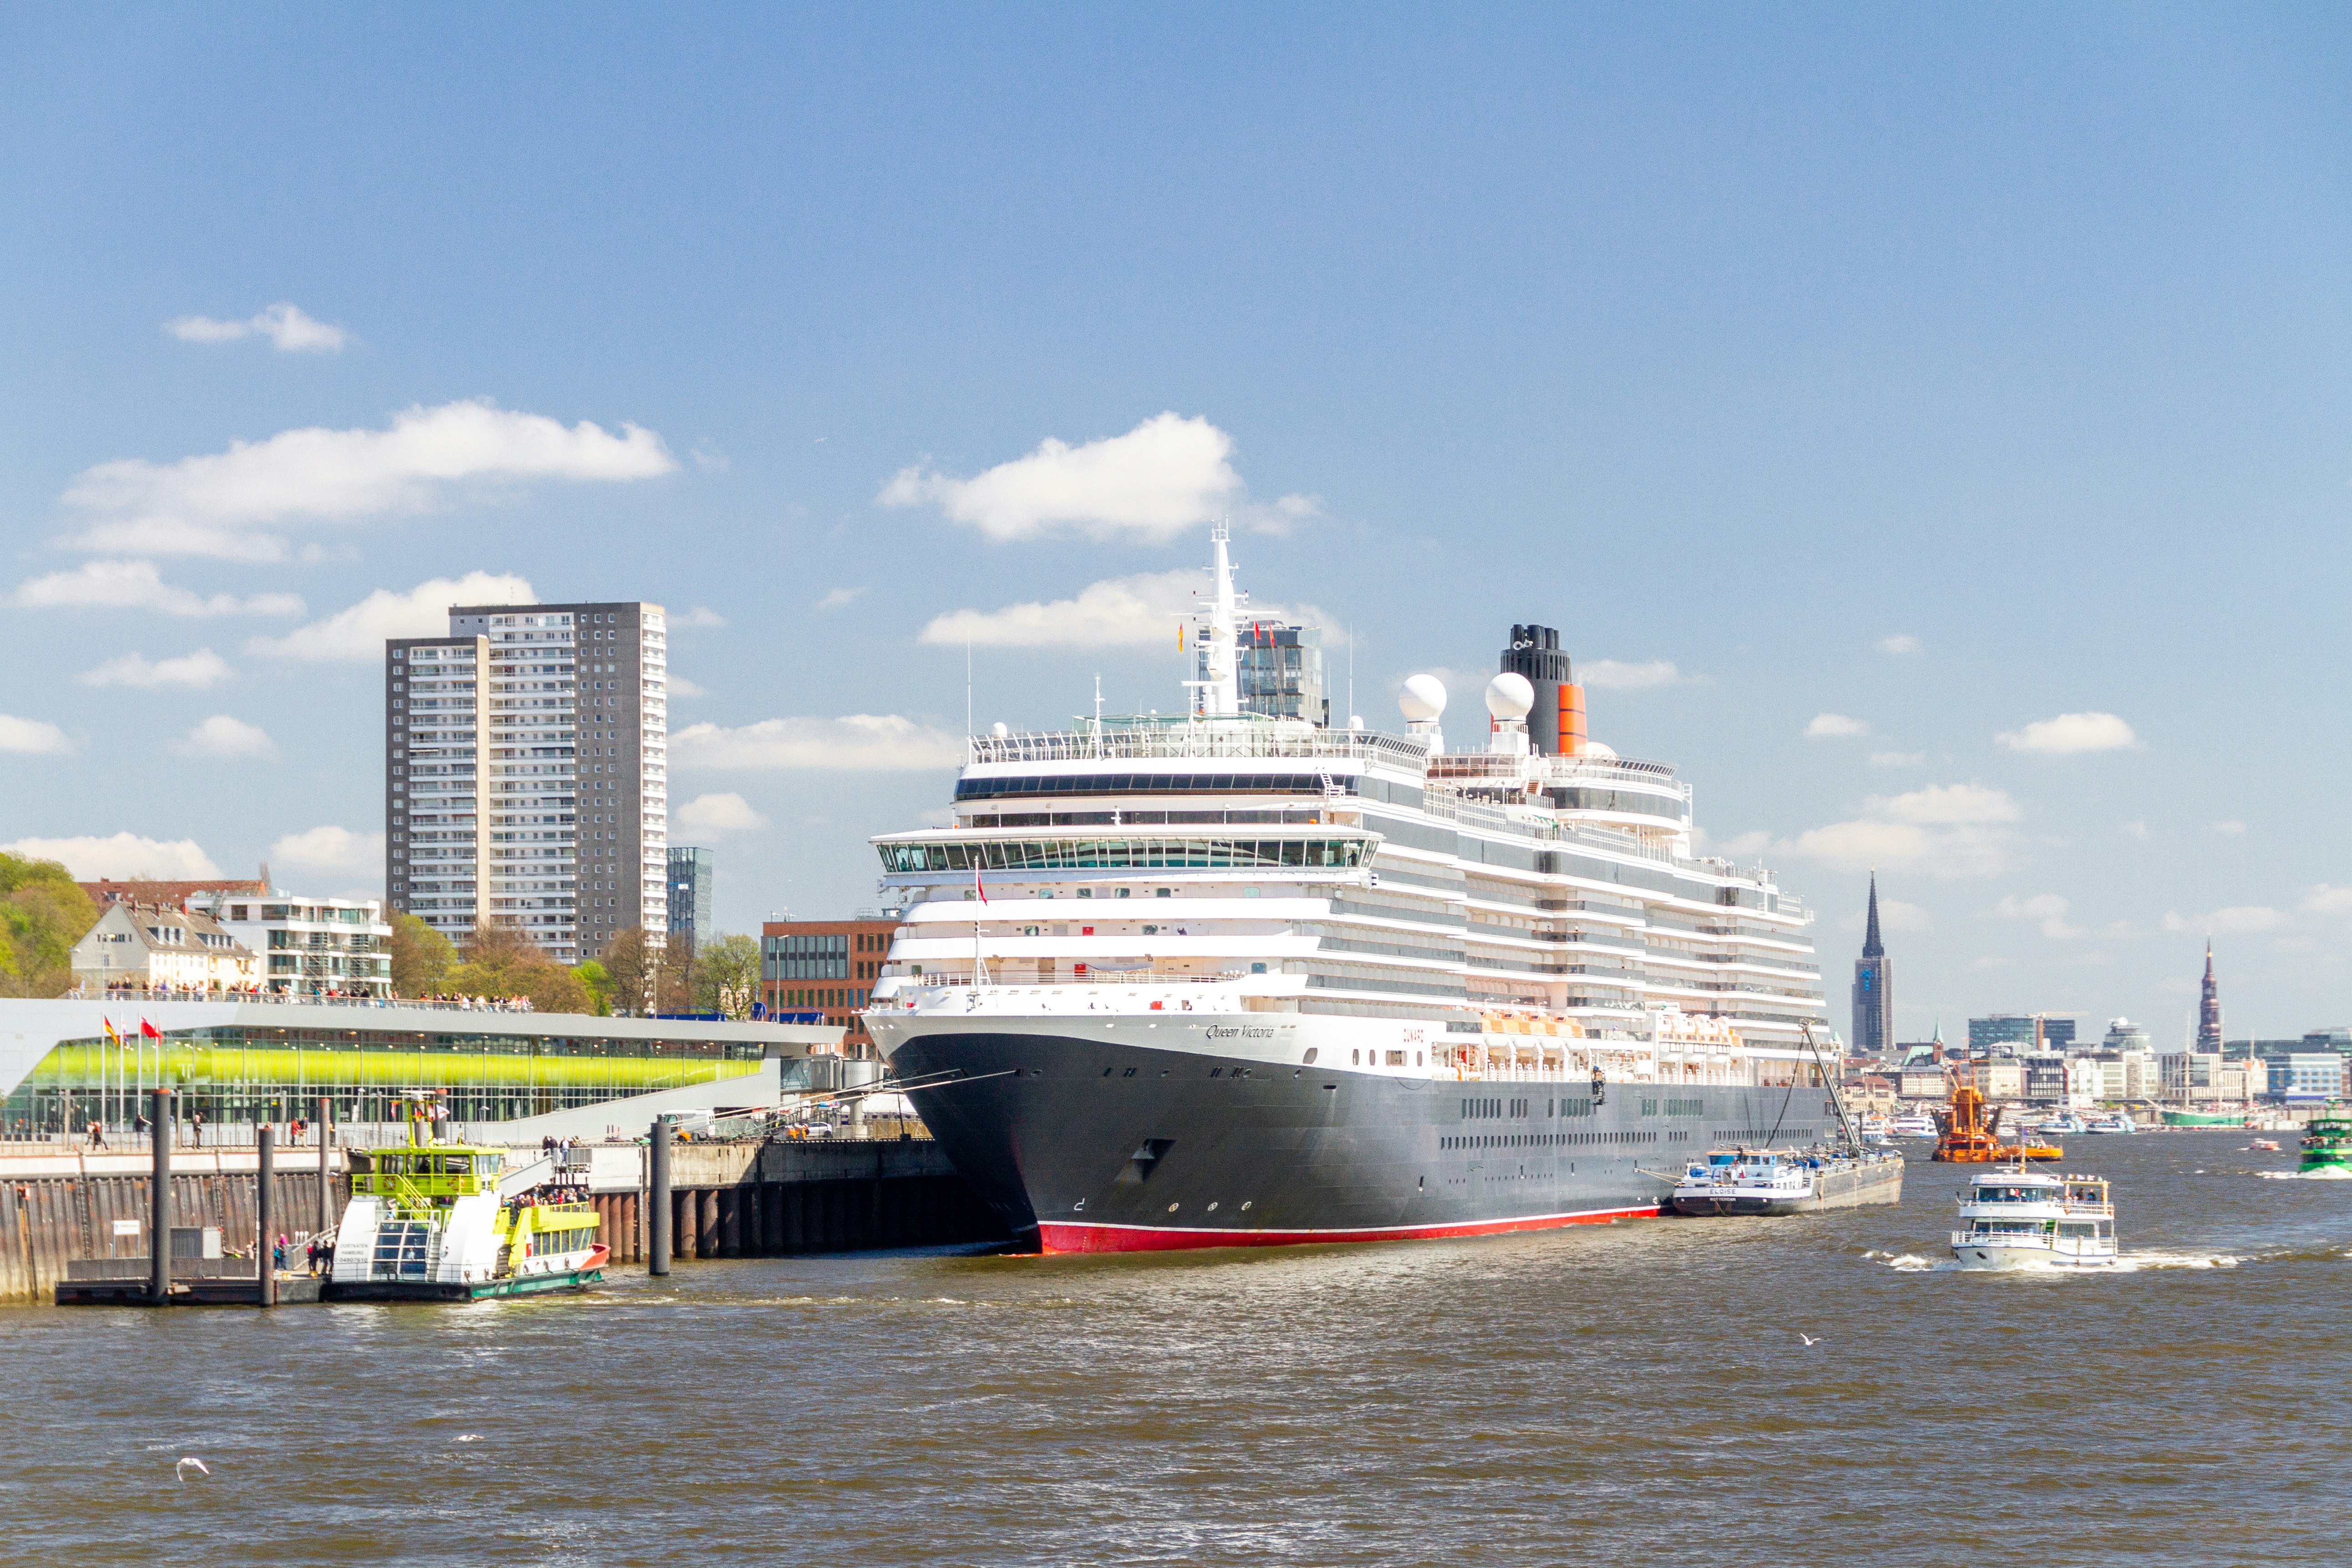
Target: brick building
[{"x": 828, "y": 967}]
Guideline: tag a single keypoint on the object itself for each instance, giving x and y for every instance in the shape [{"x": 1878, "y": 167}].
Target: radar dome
[
  {"x": 1000, "y": 729},
  {"x": 1595, "y": 749},
  {"x": 1510, "y": 695},
  {"x": 1423, "y": 697}
]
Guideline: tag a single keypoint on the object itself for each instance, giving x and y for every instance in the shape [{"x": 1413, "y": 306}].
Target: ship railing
[{"x": 1213, "y": 739}]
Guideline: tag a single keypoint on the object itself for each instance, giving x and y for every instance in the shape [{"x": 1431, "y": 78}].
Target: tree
[
  {"x": 632, "y": 965},
  {"x": 502, "y": 961},
  {"x": 421, "y": 957},
  {"x": 726, "y": 975},
  {"x": 674, "y": 990},
  {"x": 42, "y": 915},
  {"x": 599, "y": 985}
]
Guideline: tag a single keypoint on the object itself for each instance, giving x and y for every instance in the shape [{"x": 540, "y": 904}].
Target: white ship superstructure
[{"x": 1507, "y": 926}]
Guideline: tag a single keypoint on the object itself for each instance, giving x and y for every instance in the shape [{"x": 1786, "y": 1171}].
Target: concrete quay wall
[{"x": 728, "y": 1200}]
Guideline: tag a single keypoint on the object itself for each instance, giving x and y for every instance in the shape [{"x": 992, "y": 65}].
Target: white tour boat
[
  {"x": 1914, "y": 1124},
  {"x": 2016, "y": 1218}
]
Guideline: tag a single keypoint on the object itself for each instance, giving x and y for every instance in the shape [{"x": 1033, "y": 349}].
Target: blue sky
[{"x": 1732, "y": 341}]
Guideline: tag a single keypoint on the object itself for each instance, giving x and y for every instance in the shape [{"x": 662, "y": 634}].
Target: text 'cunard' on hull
[{"x": 1240, "y": 977}]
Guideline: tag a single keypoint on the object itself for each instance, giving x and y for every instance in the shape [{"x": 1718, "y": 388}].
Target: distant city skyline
[{"x": 1847, "y": 396}]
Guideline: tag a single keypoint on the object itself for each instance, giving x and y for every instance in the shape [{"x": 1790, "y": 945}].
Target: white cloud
[
  {"x": 679, "y": 686},
  {"x": 2134, "y": 830},
  {"x": 194, "y": 670},
  {"x": 2230, "y": 829},
  {"x": 1901, "y": 641},
  {"x": 214, "y": 504},
  {"x": 329, "y": 850},
  {"x": 2048, "y": 909},
  {"x": 839, "y": 596},
  {"x": 224, "y": 737},
  {"x": 136, "y": 585},
  {"x": 1738, "y": 846},
  {"x": 32, "y": 737},
  {"x": 1951, "y": 803},
  {"x": 2070, "y": 733},
  {"x": 700, "y": 616},
  {"x": 1124, "y": 612},
  {"x": 1167, "y": 475},
  {"x": 861, "y": 742},
  {"x": 1834, "y": 726},
  {"x": 285, "y": 325},
  {"x": 708, "y": 458},
  {"x": 1614, "y": 675},
  {"x": 1894, "y": 914},
  {"x": 358, "y": 634},
  {"x": 2238, "y": 919},
  {"x": 1897, "y": 759},
  {"x": 715, "y": 816},
  {"x": 2323, "y": 899},
  {"x": 125, "y": 856},
  {"x": 1944, "y": 830}
]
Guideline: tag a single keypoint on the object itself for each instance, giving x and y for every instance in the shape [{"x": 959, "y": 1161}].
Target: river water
[{"x": 1635, "y": 1393}]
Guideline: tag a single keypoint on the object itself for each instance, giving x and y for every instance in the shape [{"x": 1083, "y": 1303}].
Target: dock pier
[{"x": 80, "y": 1218}]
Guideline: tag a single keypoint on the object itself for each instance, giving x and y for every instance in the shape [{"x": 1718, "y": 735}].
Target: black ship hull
[{"x": 1099, "y": 1145}]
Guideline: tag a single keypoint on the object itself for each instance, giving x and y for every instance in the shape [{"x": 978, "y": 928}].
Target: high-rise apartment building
[
  {"x": 1873, "y": 990},
  {"x": 526, "y": 774},
  {"x": 689, "y": 895}
]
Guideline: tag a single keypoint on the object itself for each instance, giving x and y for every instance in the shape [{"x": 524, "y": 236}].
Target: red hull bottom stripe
[{"x": 1066, "y": 1238}]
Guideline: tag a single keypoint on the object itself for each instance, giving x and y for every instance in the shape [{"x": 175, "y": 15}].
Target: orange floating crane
[{"x": 1969, "y": 1137}]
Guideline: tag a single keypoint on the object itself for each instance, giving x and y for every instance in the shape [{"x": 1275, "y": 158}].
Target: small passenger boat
[
  {"x": 1913, "y": 1124},
  {"x": 2328, "y": 1142},
  {"x": 2017, "y": 1218},
  {"x": 2111, "y": 1122},
  {"x": 458, "y": 1222}
]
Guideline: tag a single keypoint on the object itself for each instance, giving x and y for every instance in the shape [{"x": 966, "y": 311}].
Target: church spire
[{"x": 1871, "y": 946}]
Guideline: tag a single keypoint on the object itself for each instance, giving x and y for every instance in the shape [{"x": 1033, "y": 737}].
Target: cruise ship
[{"x": 1232, "y": 977}]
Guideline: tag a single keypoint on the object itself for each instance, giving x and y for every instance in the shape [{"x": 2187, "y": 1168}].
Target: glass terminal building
[{"x": 250, "y": 1062}]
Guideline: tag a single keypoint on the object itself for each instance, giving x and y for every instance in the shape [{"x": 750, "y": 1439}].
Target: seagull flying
[
  {"x": 1807, "y": 1338},
  {"x": 180, "y": 1470}
]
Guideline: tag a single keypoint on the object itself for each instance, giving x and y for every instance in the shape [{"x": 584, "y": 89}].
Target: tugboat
[
  {"x": 2327, "y": 1143},
  {"x": 1969, "y": 1139},
  {"x": 452, "y": 1222},
  {"x": 2017, "y": 1218}
]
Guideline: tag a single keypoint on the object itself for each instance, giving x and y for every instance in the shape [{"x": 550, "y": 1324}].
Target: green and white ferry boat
[
  {"x": 457, "y": 1222},
  {"x": 2328, "y": 1142}
]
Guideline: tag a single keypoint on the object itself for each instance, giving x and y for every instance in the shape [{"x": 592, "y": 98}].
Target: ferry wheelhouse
[{"x": 1234, "y": 978}]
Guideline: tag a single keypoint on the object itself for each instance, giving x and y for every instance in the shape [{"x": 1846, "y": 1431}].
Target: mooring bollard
[
  {"x": 265, "y": 1146},
  {"x": 159, "y": 1203},
  {"x": 658, "y": 1217},
  {"x": 326, "y": 1177}
]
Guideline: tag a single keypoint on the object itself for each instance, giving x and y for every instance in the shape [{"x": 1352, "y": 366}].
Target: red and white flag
[
  {"x": 150, "y": 1030},
  {"x": 976, "y": 885}
]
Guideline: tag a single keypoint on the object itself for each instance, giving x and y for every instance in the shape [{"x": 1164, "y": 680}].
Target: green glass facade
[{"x": 245, "y": 1074}]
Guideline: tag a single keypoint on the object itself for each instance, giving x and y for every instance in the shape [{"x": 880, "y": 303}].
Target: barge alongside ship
[{"x": 1239, "y": 978}]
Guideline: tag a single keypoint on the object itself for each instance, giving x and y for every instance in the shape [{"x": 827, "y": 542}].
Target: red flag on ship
[{"x": 976, "y": 885}]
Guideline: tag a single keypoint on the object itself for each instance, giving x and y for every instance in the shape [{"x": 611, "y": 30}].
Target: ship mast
[{"x": 1221, "y": 689}]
